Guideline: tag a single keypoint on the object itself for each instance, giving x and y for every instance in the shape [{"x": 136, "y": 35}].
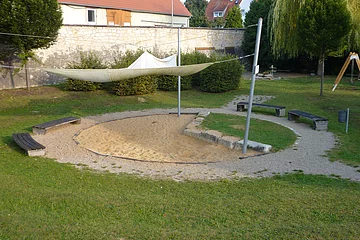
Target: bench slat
[
  {"x": 43, "y": 127},
  {"x": 57, "y": 122},
  {"x": 307, "y": 115},
  {"x": 262, "y": 105},
  {"x": 320, "y": 123},
  {"x": 26, "y": 142},
  {"x": 279, "y": 110}
]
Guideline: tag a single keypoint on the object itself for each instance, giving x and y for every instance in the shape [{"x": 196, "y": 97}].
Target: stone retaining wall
[
  {"x": 109, "y": 41},
  {"x": 194, "y": 129}
]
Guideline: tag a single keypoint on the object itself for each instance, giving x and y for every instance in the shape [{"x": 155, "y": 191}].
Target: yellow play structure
[{"x": 352, "y": 56}]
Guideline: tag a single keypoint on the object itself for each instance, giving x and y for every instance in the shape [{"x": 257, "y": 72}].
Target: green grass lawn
[
  {"x": 262, "y": 131},
  {"x": 43, "y": 199},
  {"x": 303, "y": 94}
]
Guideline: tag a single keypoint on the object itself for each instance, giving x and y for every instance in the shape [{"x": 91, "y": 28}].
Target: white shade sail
[{"x": 146, "y": 64}]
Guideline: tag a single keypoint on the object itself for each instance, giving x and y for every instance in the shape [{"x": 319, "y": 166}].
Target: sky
[{"x": 245, "y": 4}]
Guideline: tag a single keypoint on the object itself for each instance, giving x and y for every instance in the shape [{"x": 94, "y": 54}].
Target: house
[
  {"x": 220, "y": 8},
  {"x": 125, "y": 12}
]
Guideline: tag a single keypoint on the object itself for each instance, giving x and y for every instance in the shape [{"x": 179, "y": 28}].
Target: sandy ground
[
  {"x": 155, "y": 138},
  {"x": 150, "y": 143}
]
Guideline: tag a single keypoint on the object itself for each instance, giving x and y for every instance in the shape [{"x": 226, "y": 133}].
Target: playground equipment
[{"x": 352, "y": 57}]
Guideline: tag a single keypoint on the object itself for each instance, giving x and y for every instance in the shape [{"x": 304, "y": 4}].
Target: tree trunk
[
  {"x": 11, "y": 70},
  {"x": 319, "y": 68},
  {"x": 12, "y": 77},
  {"x": 27, "y": 77},
  {"x": 352, "y": 71},
  {"x": 322, "y": 69}
]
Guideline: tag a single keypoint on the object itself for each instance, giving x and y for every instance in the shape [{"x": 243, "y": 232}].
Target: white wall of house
[
  {"x": 77, "y": 15},
  {"x": 150, "y": 19}
]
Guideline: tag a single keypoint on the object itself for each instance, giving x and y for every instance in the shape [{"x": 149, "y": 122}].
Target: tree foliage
[
  {"x": 30, "y": 18},
  {"x": 321, "y": 28},
  {"x": 234, "y": 18},
  {"x": 197, "y": 9},
  {"x": 354, "y": 35},
  {"x": 284, "y": 35},
  {"x": 221, "y": 77},
  {"x": 218, "y": 22},
  {"x": 258, "y": 9},
  {"x": 322, "y": 25}
]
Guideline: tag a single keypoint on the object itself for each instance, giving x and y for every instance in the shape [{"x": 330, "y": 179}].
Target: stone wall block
[{"x": 228, "y": 141}]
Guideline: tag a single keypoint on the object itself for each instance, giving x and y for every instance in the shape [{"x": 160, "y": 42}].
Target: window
[
  {"x": 91, "y": 16},
  {"x": 218, "y": 14}
]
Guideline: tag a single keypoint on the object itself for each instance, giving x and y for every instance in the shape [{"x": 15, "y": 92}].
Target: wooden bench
[
  {"x": 26, "y": 142},
  {"x": 44, "y": 127},
  {"x": 320, "y": 123},
  {"x": 280, "y": 110}
]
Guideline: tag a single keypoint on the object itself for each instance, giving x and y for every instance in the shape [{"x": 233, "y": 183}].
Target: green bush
[
  {"x": 126, "y": 59},
  {"x": 88, "y": 60},
  {"x": 194, "y": 58},
  {"x": 170, "y": 83},
  {"x": 80, "y": 85},
  {"x": 135, "y": 86},
  {"x": 221, "y": 77}
]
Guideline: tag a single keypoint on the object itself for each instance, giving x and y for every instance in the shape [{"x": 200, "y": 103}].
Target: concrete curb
[{"x": 194, "y": 130}]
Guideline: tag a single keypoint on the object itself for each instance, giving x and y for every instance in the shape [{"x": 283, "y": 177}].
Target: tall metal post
[
  {"x": 347, "y": 119},
  {"x": 352, "y": 71},
  {"x": 179, "y": 78},
  {"x": 172, "y": 13},
  {"x": 255, "y": 70}
]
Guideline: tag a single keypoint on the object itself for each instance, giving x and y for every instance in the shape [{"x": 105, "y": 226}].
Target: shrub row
[{"x": 219, "y": 77}]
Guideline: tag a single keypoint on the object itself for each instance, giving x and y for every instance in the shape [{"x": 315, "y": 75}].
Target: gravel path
[{"x": 307, "y": 155}]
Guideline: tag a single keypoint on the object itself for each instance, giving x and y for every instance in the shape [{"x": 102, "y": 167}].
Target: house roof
[
  {"x": 153, "y": 6},
  {"x": 219, "y": 6}
]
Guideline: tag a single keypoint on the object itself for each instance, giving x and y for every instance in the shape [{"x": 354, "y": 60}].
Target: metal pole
[
  {"x": 352, "y": 71},
  {"x": 179, "y": 78},
  {"x": 172, "y": 13},
  {"x": 347, "y": 119},
  {"x": 255, "y": 70}
]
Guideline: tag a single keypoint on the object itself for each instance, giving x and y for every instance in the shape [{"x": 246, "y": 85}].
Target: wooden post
[
  {"x": 343, "y": 69},
  {"x": 358, "y": 62}
]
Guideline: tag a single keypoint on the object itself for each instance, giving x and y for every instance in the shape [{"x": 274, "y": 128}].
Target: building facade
[{"x": 125, "y": 13}]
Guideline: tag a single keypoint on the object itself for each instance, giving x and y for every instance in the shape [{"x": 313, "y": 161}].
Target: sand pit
[
  {"x": 307, "y": 154},
  {"x": 155, "y": 138}
]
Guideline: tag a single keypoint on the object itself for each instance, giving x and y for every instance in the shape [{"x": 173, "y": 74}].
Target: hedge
[
  {"x": 221, "y": 77},
  {"x": 135, "y": 86},
  {"x": 88, "y": 60}
]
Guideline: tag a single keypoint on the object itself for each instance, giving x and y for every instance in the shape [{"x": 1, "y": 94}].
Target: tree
[
  {"x": 218, "y": 22},
  {"x": 354, "y": 35},
  {"x": 258, "y": 9},
  {"x": 321, "y": 28},
  {"x": 29, "y": 25},
  {"x": 197, "y": 9},
  {"x": 284, "y": 17},
  {"x": 234, "y": 18}
]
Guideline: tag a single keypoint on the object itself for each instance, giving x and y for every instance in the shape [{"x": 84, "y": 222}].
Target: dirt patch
[{"x": 157, "y": 138}]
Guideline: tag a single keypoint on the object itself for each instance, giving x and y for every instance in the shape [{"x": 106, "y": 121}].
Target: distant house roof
[
  {"x": 220, "y": 6},
  {"x": 154, "y": 6}
]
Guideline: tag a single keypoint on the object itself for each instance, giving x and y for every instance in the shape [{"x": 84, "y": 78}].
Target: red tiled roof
[
  {"x": 153, "y": 6},
  {"x": 219, "y": 5}
]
